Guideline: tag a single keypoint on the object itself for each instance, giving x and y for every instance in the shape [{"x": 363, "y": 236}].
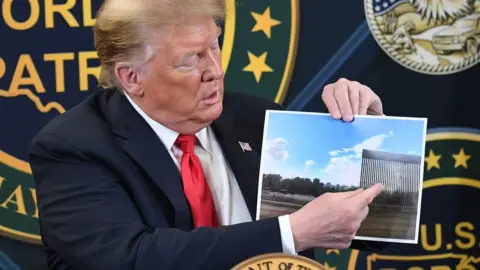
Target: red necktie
[{"x": 195, "y": 184}]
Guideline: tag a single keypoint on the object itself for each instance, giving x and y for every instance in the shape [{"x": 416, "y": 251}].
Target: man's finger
[
  {"x": 354, "y": 95},
  {"x": 376, "y": 108},
  {"x": 370, "y": 103},
  {"x": 363, "y": 199},
  {"x": 364, "y": 101},
  {"x": 352, "y": 193},
  {"x": 329, "y": 100},
  {"x": 343, "y": 100}
]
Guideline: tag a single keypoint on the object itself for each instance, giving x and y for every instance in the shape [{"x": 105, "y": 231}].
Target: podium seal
[{"x": 279, "y": 261}]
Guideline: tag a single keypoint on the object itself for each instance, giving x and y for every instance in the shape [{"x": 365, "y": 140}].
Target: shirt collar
[{"x": 166, "y": 135}]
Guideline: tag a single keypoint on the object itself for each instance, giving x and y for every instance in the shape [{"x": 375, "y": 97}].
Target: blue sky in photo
[{"x": 317, "y": 146}]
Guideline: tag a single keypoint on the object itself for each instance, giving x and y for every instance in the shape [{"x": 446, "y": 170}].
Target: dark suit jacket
[{"x": 110, "y": 197}]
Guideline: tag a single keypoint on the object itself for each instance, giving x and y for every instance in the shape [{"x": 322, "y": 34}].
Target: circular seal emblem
[
  {"x": 432, "y": 37},
  {"x": 280, "y": 261},
  {"x": 449, "y": 231},
  {"x": 41, "y": 80}
]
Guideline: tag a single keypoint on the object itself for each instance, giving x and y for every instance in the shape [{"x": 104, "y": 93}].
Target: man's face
[{"x": 185, "y": 81}]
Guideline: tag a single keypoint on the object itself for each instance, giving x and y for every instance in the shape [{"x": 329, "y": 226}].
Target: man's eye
[{"x": 190, "y": 61}]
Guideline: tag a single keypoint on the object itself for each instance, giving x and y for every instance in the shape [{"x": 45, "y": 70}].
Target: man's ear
[{"x": 129, "y": 79}]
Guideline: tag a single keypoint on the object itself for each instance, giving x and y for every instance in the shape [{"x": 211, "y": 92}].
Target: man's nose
[{"x": 214, "y": 70}]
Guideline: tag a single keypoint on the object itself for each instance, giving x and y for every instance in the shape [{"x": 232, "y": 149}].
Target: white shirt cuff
[{"x": 288, "y": 243}]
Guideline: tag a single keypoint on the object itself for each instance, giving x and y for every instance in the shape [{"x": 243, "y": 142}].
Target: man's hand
[
  {"x": 345, "y": 98},
  {"x": 332, "y": 220}
]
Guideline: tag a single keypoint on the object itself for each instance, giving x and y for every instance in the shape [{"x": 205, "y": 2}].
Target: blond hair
[{"x": 123, "y": 29}]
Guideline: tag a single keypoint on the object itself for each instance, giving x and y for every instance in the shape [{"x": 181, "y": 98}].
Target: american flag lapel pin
[{"x": 245, "y": 146}]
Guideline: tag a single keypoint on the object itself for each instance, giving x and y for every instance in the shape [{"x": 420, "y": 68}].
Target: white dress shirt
[{"x": 229, "y": 202}]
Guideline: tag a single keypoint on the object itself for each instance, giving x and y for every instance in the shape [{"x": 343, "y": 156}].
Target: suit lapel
[
  {"x": 245, "y": 165},
  {"x": 143, "y": 146}
]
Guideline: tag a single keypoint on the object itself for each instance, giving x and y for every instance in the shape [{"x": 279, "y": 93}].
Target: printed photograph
[{"x": 305, "y": 155}]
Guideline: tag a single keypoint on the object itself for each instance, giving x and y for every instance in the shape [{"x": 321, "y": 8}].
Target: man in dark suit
[{"x": 148, "y": 173}]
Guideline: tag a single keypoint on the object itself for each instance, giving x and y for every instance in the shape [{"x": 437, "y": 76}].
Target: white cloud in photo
[
  {"x": 344, "y": 166},
  {"x": 372, "y": 143},
  {"x": 275, "y": 160},
  {"x": 276, "y": 149},
  {"x": 335, "y": 153},
  {"x": 308, "y": 163},
  {"x": 278, "y": 161},
  {"x": 344, "y": 170}
]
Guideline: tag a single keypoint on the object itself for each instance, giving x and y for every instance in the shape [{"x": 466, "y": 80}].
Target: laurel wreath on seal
[{"x": 432, "y": 69}]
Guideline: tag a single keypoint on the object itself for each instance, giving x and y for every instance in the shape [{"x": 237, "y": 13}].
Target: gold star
[
  {"x": 432, "y": 160},
  {"x": 264, "y": 22},
  {"x": 336, "y": 251},
  {"x": 328, "y": 267},
  {"x": 461, "y": 159},
  {"x": 257, "y": 65}
]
